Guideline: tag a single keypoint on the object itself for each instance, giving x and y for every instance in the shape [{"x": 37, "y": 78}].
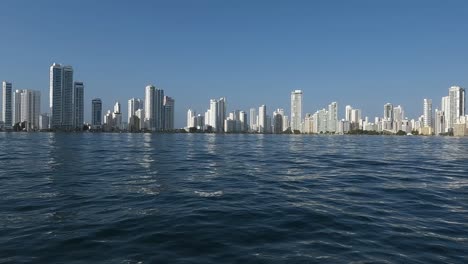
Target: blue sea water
[{"x": 203, "y": 198}]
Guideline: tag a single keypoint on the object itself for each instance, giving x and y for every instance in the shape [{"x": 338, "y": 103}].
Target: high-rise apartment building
[
  {"x": 456, "y": 105},
  {"x": 17, "y": 106},
  {"x": 61, "y": 97},
  {"x": 7, "y": 104},
  {"x": 117, "y": 116},
  {"x": 262, "y": 119},
  {"x": 78, "y": 105},
  {"x": 427, "y": 113},
  {"x": 133, "y": 105},
  {"x": 44, "y": 121},
  {"x": 388, "y": 112},
  {"x": 154, "y": 108},
  {"x": 191, "y": 114},
  {"x": 221, "y": 115},
  {"x": 243, "y": 121},
  {"x": 439, "y": 122},
  {"x": 278, "y": 121},
  {"x": 253, "y": 120},
  {"x": 96, "y": 113},
  {"x": 213, "y": 115},
  {"x": 296, "y": 110},
  {"x": 348, "y": 110},
  {"x": 168, "y": 113},
  {"x": 332, "y": 117},
  {"x": 28, "y": 106}
]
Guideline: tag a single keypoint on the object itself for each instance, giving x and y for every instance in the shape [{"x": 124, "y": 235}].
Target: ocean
[{"x": 206, "y": 198}]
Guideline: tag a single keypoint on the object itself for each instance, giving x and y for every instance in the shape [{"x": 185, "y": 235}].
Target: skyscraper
[
  {"x": 277, "y": 122},
  {"x": 243, "y": 121},
  {"x": 154, "y": 108},
  {"x": 67, "y": 98},
  {"x": 78, "y": 105},
  {"x": 221, "y": 114},
  {"x": 445, "y": 105},
  {"x": 168, "y": 113},
  {"x": 439, "y": 122},
  {"x": 398, "y": 116},
  {"x": 456, "y": 105},
  {"x": 117, "y": 116},
  {"x": 253, "y": 119},
  {"x": 262, "y": 119},
  {"x": 191, "y": 118},
  {"x": 388, "y": 112},
  {"x": 61, "y": 97},
  {"x": 296, "y": 110},
  {"x": 133, "y": 105},
  {"x": 348, "y": 113},
  {"x": 55, "y": 96},
  {"x": 427, "y": 112},
  {"x": 7, "y": 106},
  {"x": 140, "y": 113},
  {"x": 159, "y": 107},
  {"x": 150, "y": 112},
  {"x": 17, "y": 106},
  {"x": 213, "y": 115},
  {"x": 332, "y": 117},
  {"x": 96, "y": 111},
  {"x": 44, "y": 121},
  {"x": 29, "y": 108}
]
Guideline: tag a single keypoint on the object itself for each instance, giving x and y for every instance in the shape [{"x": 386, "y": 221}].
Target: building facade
[
  {"x": 7, "y": 105},
  {"x": 296, "y": 110}
]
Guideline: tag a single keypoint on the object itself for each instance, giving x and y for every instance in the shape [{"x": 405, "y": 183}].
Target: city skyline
[
  {"x": 363, "y": 54},
  {"x": 157, "y": 112}
]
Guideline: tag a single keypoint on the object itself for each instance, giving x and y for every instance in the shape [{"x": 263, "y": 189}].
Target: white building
[
  {"x": 140, "y": 113},
  {"x": 213, "y": 115},
  {"x": 253, "y": 120},
  {"x": 296, "y": 110},
  {"x": 17, "y": 107},
  {"x": 456, "y": 105},
  {"x": 30, "y": 106},
  {"x": 308, "y": 124},
  {"x": 243, "y": 121},
  {"x": 133, "y": 105},
  {"x": 332, "y": 117},
  {"x": 262, "y": 119},
  {"x": 191, "y": 114},
  {"x": 439, "y": 122},
  {"x": 398, "y": 117},
  {"x": 154, "y": 108},
  {"x": 44, "y": 121},
  {"x": 427, "y": 112},
  {"x": 221, "y": 114},
  {"x": 117, "y": 116}
]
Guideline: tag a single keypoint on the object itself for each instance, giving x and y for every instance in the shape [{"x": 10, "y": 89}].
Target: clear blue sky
[{"x": 362, "y": 53}]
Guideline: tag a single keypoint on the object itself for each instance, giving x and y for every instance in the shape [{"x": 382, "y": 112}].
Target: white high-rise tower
[
  {"x": 296, "y": 110},
  {"x": 262, "y": 119},
  {"x": 427, "y": 113},
  {"x": 456, "y": 105},
  {"x": 133, "y": 105}
]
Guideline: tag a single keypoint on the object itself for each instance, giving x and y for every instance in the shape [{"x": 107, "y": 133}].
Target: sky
[{"x": 359, "y": 53}]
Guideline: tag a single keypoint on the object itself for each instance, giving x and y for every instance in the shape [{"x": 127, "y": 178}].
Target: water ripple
[{"x": 195, "y": 198}]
